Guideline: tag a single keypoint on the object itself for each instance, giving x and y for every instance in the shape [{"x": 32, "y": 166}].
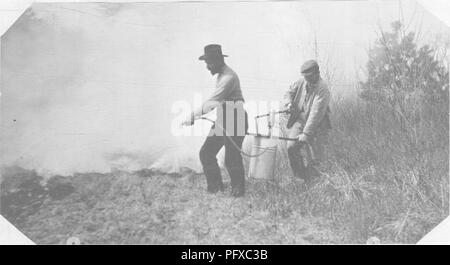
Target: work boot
[
  {"x": 237, "y": 181},
  {"x": 213, "y": 179},
  {"x": 312, "y": 175},
  {"x": 237, "y": 192},
  {"x": 221, "y": 186},
  {"x": 214, "y": 188}
]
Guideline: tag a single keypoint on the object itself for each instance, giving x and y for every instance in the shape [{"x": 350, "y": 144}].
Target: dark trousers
[
  {"x": 303, "y": 164},
  {"x": 233, "y": 157},
  {"x": 233, "y": 161}
]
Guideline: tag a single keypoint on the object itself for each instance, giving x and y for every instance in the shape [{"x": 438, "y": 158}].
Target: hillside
[{"x": 146, "y": 207}]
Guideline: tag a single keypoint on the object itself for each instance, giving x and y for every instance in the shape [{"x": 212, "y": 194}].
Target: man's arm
[
  {"x": 224, "y": 88},
  {"x": 318, "y": 109},
  {"x": 288, "y": 97}
]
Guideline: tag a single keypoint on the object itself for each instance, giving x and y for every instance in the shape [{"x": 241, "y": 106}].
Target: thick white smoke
[{"x": 90, "y": 87}]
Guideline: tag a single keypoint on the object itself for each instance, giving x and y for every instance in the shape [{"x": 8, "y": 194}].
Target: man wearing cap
[
  {"x": 308, "y": 101},
  {"x": 230, "y": 127}
]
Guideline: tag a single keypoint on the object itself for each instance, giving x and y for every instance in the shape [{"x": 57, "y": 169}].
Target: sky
[{"x": 91, "y": 86}]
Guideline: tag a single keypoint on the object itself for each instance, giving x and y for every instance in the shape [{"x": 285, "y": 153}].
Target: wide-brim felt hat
[{"x": 212, "y": 51}]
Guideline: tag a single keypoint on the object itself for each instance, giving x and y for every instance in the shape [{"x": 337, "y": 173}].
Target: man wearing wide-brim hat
[
  {"x": 308, "y": 100},
  {"x": 230, "y": 127}
]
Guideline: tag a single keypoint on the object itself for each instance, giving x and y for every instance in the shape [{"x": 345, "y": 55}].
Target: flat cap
[{"x": 310, "y": 66}]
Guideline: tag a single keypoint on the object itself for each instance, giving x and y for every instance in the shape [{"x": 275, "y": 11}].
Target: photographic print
[{"x": 278, "y": 122}]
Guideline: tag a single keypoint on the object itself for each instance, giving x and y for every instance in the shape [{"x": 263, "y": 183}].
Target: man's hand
[
  {"x": 304, "y": 138},
  {"x": 288, "y": 106},
  {"x": 188, "y": 121}
]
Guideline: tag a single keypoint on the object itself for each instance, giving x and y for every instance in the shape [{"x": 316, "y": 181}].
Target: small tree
[{"x": 411, "y": 81}]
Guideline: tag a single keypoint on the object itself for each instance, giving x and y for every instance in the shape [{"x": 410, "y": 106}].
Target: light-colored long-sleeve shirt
[
  {"x": 228, "y": 88},
  {"x": 310, "y": 102}
]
